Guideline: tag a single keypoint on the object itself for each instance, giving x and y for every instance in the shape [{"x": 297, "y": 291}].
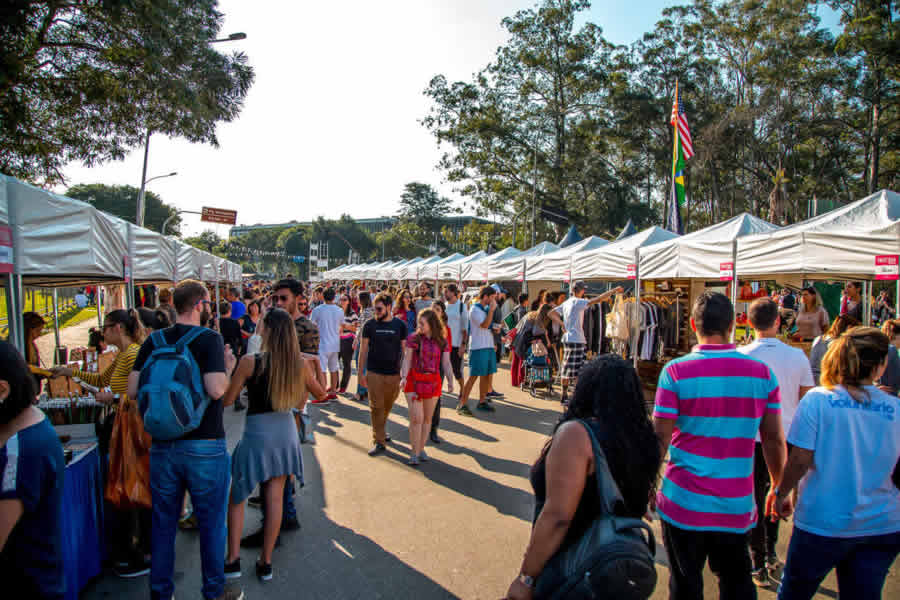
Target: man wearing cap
[{"x": 572, "y": 320}]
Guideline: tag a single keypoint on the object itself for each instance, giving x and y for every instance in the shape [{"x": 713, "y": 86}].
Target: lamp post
[
  {"x": 139, "y": 213},
  {"x": 177, "y": 212}
]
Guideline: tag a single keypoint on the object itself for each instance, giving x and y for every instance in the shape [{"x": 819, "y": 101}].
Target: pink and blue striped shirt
[{"x": 717, "y": 397}]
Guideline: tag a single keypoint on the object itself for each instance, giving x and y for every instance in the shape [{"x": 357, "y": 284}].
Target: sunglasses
[{"x": 278, "y": 298}]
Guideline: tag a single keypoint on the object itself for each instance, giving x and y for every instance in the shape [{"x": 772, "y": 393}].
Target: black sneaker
[
  {"x": 233, "y": 569},
  {"x": 485, "y": 407},
  {"x": 291, "y": 524},
  {"x": 239, "y": 406},
  {"x": 255, "y": 540},
  {"x": 255, "y": 501},
  {"x": 377, "y": 449},
  {"x": 134, "y": 569},
  {"x": 388, "y": 439},
  {"x": 264, "y": 571},
  {"x": 492, "y": 394},
  {"x": 433, "y": 436}
]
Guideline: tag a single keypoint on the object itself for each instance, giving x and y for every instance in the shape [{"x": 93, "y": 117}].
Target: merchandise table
[{"x": 82, "y": 524}]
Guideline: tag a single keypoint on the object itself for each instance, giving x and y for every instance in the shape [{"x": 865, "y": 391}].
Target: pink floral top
[{"x": 427, "y": 353}]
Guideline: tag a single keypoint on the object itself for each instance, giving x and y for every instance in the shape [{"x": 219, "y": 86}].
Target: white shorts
[{"x": 329, "y": 361}]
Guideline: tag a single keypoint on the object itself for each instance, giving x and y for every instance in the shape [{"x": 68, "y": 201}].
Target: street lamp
[
  {"x": 139, "y": 213},
  {"x": 140, "y": 205}
]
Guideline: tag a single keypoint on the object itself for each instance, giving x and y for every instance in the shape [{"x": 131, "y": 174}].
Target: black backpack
[{"x": 612, "y": 559}]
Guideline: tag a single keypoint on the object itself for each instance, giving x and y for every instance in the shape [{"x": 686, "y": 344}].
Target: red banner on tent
[
  {"x": 632, "y": 271},
  {"x": 6, "y": 249},
  {"x": 887, "y": 267}
]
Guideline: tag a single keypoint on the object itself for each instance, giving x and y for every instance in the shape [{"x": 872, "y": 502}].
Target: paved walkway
[
  {"x": 456, "y": 527},
  {"x": 70, "y": 337}
]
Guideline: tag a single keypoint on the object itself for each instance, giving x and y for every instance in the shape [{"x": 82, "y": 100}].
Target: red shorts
[{"x": 426, "y": 381}]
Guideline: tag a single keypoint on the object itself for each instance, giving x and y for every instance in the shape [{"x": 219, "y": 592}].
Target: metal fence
[{"x": 39, "y": 300}]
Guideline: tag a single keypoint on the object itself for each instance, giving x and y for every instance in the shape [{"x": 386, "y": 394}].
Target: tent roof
[
  {"x": 570, "y": 238},
  {"x": 611, "y": 261},
  {"x": 627, "y": 231},
  {"x": 555, "y": 266},
  {"x": 698, "y": 255},
  {"x": 541, "y": 249},
  {"x": 843, "y": 242}
]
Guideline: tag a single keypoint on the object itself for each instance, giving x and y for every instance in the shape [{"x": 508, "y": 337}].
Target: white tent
[
  {"x": 407, "y": 271},
  {"x": 841, "y": 243},
  {"x": 701, "y": 254},
  {"x": 556, "y": 266},
  {"x": 433, "y": 270},
  {"x": 451, "y": 269},
  {"x": 512, "y": 267},
  {"x": 387, "y": 273},
  {"x": 612, "y": 261},
  {"x": 480, "y": 270}
]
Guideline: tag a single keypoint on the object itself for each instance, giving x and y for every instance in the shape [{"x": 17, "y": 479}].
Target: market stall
[{"x": 549, "y": 271}]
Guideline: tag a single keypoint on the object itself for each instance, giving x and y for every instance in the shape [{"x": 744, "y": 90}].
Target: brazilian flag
[{"x": 678, "y": 164}]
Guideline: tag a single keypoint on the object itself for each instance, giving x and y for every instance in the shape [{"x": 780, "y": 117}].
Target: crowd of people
[{"x": 743, "y": 437}]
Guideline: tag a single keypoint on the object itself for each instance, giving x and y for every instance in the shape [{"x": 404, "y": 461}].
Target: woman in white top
[{"x": 846, "y": 444}]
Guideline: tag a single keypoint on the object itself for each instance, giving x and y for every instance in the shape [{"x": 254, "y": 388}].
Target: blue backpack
[{"x": 170, "y": 395}]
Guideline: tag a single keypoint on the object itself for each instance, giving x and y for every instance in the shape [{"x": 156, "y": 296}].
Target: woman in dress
[
  {"x": 347, "y": 335},
  {"x": 812, "y": 319},
  {"x": 425, "y": 352},
  {"x": 843, "y": 455},
  {"x": 269, "y": 450},
  {"x": 31, "y": 498},
  {"x": 609, "y": 399},
  {"x": 441, "y": 309}
]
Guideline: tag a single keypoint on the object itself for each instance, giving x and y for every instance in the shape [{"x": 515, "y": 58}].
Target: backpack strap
[
  {"x": 607, "y": 488},
  {"x": 187, "y": 338},
  {"x": 158, "y": 339}
]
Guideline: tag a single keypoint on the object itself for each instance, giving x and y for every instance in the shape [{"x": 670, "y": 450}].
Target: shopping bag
[{"x": 128, "y": 485}]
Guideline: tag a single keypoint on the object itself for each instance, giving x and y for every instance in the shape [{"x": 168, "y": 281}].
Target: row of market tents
[
  {"x": 841, "y": 244},
  {"x": 49, "y": 240}
]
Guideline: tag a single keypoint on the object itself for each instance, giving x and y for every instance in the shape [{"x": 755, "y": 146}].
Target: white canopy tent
[
  {"x": 480, "y": 269},
  {"x": 513, "y": 267},
  {"x": 408, "y": 271},
  {"x": 701, "y": 254},
  {"x": 842, "y": 243},
  {"x": 556, "y": 266},
  {"x": 452, "y": 269},
  {"x": 611, "y": 262}
]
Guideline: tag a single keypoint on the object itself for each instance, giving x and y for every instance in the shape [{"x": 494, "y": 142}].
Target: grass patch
[{"x": 74, "y": 316}]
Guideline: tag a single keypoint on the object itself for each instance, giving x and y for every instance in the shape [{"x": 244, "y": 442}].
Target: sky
[{"x": 331, "y": 123}]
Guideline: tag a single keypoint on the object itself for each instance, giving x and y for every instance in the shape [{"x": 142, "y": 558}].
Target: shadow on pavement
[{"x": 323, "y": 560}]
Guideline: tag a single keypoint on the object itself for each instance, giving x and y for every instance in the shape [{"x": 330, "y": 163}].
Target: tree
[
  {"x": 421, "y": 205},
  {"x": 88, "y": 80},
  {"x": 121, "y": 201},
  {"x": 343, "y": 235},
  {"x": 208, "y": 241}
]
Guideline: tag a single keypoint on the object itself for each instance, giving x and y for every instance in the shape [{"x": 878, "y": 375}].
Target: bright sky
[{"x": 331, "y": 124}]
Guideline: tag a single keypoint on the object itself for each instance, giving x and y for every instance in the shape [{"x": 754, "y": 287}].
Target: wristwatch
[{"x": 527, "y": 580}]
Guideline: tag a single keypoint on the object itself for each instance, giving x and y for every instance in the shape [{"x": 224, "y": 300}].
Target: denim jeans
[
  {"x": 862, "y": 564},
  {"x": 203, "y": 468}
]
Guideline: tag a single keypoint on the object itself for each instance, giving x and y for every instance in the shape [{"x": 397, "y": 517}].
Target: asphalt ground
[{"x": 455, "y": 527}]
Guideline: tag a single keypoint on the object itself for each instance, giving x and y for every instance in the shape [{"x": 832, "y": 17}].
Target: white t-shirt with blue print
[{"x": 848, "y": 491}]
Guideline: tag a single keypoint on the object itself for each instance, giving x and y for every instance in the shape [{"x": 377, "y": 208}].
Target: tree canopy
[
  {"x": 85, "y": 81},
  {"x": 781, "y": 111},
  {"x": 121, "y": 201}
]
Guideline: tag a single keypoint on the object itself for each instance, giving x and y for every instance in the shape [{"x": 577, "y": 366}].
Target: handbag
[
  {"x": 538, "y": 348},
  {"x": 128, "y": 482},
  {"x": 612, "y": 558}
]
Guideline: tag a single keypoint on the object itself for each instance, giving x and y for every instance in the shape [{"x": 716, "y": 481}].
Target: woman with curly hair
[{"x": 609, "y": 399}]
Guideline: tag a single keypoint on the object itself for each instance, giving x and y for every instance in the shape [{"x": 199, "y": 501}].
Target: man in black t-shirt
[
  {"x": 380, "y": 353},
  {"x": 197, "y": 462}
]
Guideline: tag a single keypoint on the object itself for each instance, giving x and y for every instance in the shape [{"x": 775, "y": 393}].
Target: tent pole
[
  {"x": 216, "y": 268},
  {"x": 56, "y": 315},
  {"x": 897, "y": 300},
  {"x": 635, "y": 334},
  {"x": 100, "y": 306},
  {"x": 867, "y": 303},
  {"x": 16, "y": 322},
  {"x": 734, "y": 281}
]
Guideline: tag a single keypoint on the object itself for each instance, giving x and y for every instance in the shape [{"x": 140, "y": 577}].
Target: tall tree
[
  {"x": 120, "y": 200},
  {"x": 87, "y": 80},
  {"x": 422, "y": 206}
]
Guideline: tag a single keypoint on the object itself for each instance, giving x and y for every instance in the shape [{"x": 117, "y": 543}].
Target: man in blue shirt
[{"x": 238, "y": 309}]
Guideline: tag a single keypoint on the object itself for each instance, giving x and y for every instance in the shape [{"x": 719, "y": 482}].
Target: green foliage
[
  {"x": 121, "y": 201},
  {"x": 343, "y": 235},
  {"x": 780, "y": 111},
  {"x": 208, "y": 241},
  {"x": 420, "y": 204},
  {"x": 86, "y": 80}
]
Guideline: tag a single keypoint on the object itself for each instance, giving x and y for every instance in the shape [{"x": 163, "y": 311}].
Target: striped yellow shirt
[{"x": 116, "y": 375}]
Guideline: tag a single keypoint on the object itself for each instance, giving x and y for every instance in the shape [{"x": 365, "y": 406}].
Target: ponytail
[
  {"x": 130, "y": 321},
  {"x": 852, "y": 358}
]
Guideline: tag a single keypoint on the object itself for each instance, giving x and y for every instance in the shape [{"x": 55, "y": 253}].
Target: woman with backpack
[
  {"x": 269, "y": 450},
  {"x": 425, "y": 352},
  {"x": 609, "y": 400}
]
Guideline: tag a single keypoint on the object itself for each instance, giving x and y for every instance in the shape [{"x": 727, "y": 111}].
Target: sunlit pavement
[{"x": 455, "y": 527}]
